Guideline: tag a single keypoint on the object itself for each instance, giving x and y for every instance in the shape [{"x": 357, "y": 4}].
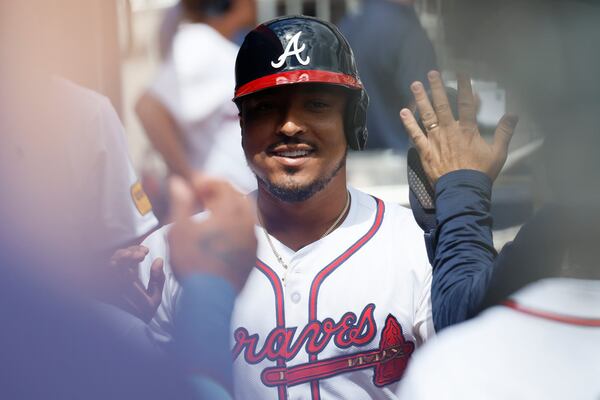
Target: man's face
[{"x": 293, "y": 138}]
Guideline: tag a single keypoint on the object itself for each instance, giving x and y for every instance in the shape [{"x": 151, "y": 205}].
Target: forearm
[
  {"x": 164, "y": 134},
  {"x": 464, "y": 252},
  {"x": 202, "y": 328}
]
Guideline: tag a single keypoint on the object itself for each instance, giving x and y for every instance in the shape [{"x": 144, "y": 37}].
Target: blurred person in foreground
[
  {"x": 63, "y": 339},
  {"x": 392, "y": 50},
  {"x": 62, "y": 343},
  {"x": 187, "y": 111},
  {"x": 66, "y": 138},
  {"x": 66, "y": 149},
  {"x": 538, "y": 336}
]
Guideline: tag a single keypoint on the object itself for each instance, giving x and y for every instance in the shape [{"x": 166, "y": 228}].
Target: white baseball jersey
[
  {"x": 545, "y": 344},
  {"x": 195, "y": 84},
  {"x": 344, "y": 321},
  {"x": 77, "y": 164}
]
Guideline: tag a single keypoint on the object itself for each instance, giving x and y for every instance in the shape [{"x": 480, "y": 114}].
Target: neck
[{"x": 299, "y": 224}]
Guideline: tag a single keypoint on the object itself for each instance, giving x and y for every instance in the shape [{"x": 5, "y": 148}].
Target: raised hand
[{"x": 448, "y": 144}]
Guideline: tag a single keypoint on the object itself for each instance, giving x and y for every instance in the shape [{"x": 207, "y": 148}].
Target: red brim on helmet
[{"x": 298, "y": 76}]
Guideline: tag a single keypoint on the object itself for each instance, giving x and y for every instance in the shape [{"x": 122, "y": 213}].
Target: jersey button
[{"x": 296, "y": 297}]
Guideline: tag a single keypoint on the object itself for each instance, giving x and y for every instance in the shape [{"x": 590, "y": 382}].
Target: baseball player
[
  {"x": 186, "y": 112},
  {"x": 340, "y": 296}
]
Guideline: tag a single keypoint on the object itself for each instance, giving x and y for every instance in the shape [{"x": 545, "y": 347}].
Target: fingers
[
  {"x": 125, "y": 262},
  {"x": 426, "y": 112},
  {"x": 466, "y": 101},
  {"x": 414, "y": 131},
  {"x": 129, "y": 256},
  {"x": 218, "y": 195},
  {"x": 156, "y": 282},
  {"x": 182, "y": 199},
  {"x": 504, "y": 132},
  {"x": 440, "y": 100}
]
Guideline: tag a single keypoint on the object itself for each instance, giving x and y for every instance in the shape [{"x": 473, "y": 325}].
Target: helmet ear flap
[{"x": 356, "y": 121}]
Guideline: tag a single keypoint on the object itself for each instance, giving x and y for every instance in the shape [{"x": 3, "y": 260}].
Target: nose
[
  {"x": 291, "y": 124},
  {"x": 290, "y": 128}
]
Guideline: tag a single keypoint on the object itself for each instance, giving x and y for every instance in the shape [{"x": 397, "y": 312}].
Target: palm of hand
[{"x": 448, "y": 144}]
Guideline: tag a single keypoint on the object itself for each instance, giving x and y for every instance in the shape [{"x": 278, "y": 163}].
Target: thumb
[
  {"x": 156, "y": 282},
  {"x": 504, "y": 132},
  {"x": 181, "y": 199},
  {"x": 214, "y": 193}
]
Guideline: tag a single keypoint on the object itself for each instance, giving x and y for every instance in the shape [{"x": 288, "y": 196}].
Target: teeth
[{"x": 295, "y": 153}]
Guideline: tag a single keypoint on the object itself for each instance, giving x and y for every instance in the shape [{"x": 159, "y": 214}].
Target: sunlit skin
[{"x": 293, "y": 138}]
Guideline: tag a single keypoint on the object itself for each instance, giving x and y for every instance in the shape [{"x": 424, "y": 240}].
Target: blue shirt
[{"x": 392, "y": 50}]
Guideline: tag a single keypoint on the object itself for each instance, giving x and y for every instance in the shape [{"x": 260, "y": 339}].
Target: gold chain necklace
[{"x": 280, "y": 259}]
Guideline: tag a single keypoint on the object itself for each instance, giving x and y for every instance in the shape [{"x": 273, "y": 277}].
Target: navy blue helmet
[{"x": 300, "y": 49}]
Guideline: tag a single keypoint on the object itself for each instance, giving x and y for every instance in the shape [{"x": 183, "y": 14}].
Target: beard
[{"x": 293, "y": 192}]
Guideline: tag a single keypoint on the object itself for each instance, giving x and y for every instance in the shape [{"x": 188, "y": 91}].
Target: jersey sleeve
[
  {"x": 111, "y": 209},
  {"x": 408, "y": 241},
  {"x": 125, "y": 209},
  {"x": 464, "y": 251},
  {"x": 424, "y": 327}
]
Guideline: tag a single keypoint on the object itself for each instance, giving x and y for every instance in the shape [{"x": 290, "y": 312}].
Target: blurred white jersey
[
  {"x": 342, "y": 323},
  {"x": 74, "y": 162},
  {"x": 195, "y": 83},
  {"x": 542, "y": 344}
]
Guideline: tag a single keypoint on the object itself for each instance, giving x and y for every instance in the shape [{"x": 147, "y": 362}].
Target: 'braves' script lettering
[
  {"x": 282, "y": 343},
  {"x": 292, "y": 49}
]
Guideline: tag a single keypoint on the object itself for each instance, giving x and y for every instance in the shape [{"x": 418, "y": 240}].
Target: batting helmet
[{"x": 300, "y": 49}]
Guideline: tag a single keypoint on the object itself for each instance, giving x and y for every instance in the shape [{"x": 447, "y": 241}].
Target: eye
[
  {"x": 318, "y": 104},
  {"x": 261, "y": 106}
]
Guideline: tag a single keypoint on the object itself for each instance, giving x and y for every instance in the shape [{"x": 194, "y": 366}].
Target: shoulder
[
  {"x": 202, "y": 43},
  {"x": 397, "y": 229},
  {"x": 92, "y": 127},
  {"x": 81, "y": 101},
  {"x": 396, "y": 215}
]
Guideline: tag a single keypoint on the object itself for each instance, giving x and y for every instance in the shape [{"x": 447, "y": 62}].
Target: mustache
[{"x": 290, "y": 140}]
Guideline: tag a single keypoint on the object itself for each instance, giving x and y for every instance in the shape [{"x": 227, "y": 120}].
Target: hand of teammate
[
  {"x": 131, "y": 294},
  {"x": 449, "y": 144},
  {"x": 224, "y": 243}
]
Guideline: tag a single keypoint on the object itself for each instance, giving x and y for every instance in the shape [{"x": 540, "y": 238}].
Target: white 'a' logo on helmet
[{"x": 292, "y": 44}]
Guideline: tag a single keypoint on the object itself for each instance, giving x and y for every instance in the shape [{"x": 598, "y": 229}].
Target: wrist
[
  {"x": 221, "y": 272},
  {"x": 459, "y": 191},
  {"x": 463, "y": 177}
]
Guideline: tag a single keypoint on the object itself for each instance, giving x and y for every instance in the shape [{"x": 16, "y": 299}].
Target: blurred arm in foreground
[{"x": 211, "y": 259}]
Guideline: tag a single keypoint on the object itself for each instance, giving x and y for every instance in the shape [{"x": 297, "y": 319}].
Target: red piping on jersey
[
  {"x": 278, "y": 289},
  {"x": 298, "y": 76},
  {"x": 567, "y": 319},
  {"x": 325, "y": 272}
]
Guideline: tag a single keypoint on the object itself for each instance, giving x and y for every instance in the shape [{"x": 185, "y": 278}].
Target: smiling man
[{"x": 340, "y": 296}]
